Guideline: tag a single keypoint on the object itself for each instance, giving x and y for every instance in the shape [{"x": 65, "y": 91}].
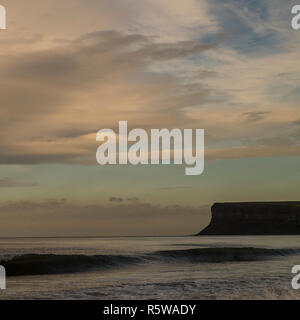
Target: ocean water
[{"x": 231, "y": 267}]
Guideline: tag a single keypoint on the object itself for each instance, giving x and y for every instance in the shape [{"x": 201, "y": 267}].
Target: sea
[{"x": 201, "y": 268}]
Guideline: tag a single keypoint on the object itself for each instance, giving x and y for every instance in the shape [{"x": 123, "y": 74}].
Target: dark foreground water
[{"x": 256, "y": 267}]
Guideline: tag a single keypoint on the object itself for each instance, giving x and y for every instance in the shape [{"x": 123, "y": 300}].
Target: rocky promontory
[{"x": 254, "y": 218}]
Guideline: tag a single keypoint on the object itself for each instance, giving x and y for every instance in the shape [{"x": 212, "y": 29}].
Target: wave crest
[{"x": 38, "y": 264}]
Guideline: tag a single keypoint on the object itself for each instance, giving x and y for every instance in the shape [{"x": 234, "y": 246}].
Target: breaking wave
[
  {"x": 225, "y": 254},
  {"x": 38, "y": 264}
]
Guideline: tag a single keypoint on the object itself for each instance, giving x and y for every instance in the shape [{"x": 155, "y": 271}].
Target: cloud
[
  {"x": 172, "y": 65},
  {"x": 10, "y": 183},
  {"x": 255, "y": 116},
  {"x": 133, "y": 199},
  {"x": 119, "y": 199},
  {"x": 175, "y": 188},
  {"x": 116, "y": 199},
  {"x": 72, "y": 90}
]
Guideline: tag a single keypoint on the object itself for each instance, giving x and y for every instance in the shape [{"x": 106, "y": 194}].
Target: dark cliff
[{"x": 254, "y": 218}]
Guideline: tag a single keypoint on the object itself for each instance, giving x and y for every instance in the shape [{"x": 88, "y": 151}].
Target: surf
[{"x": 39, "y": 264}]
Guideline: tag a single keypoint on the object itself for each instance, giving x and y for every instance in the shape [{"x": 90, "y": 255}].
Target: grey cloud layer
[
  {"x": 10, "y": 183},
  {"x": 56, "y": 95}
]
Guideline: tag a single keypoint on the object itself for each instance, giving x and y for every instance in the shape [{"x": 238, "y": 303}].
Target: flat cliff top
[
  {"x": 269, "y": 203},
  {"x": 254, "y": 218}
]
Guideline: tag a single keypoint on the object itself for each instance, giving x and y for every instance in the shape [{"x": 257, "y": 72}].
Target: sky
[{"x": 70, "y": 68}]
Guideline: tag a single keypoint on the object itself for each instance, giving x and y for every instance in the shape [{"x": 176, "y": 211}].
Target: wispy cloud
[
  {"x": 255, "y": 115},
  {"x": 172, "y": 65},
  {"x": 10, "y": 183}
]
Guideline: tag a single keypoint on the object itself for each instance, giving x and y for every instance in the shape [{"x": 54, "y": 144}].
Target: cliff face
[{"x": 254, "y": 218}]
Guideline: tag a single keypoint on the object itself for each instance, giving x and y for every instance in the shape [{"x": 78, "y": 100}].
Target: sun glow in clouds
[{"x": 160, "y": 153}]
